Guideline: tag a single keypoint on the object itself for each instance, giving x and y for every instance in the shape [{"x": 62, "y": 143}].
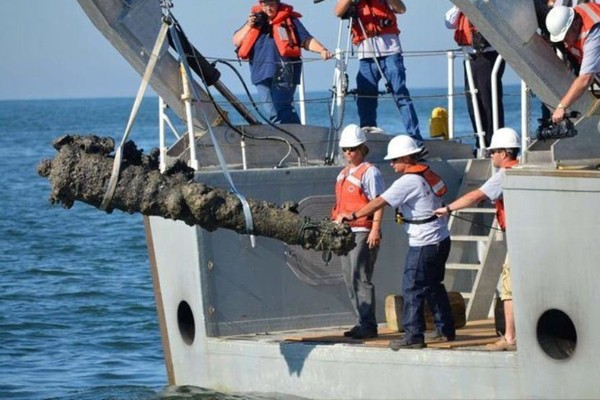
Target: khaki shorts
[{"x": 505, "y": 283}]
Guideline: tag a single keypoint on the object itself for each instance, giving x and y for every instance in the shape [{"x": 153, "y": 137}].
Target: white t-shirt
[
  {"x": 416, "y": 200},
  {"x": 492, "y": 188},
  {"x": 384, "y": 45},
  {"x": 590, "y": 64}
]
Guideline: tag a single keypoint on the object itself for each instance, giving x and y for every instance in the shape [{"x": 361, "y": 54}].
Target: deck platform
[{"x": 474, "y": 336}]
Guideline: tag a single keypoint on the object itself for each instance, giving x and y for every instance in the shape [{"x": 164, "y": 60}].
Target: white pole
[
  {"x": 495, "y": 92},
  {"x": 161, "y": 135},
  {"x": 244, "y": 161},
  {"x": 524, "y": 121},
  {"x": 451, "y": 58},
  {"x": 473, "y": 91},
  {"x": 301, "y": 98},
  {"x": 187, "y": 99}
]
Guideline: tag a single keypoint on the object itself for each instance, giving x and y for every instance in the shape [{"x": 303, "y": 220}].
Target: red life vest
[
  {"x": 500, "y": 212},
  {"x": 349, "y": 196},
  {"x": 435, "y": 182},
  {"x": 463, "y": 35},
  {"x": 377, "y": 18},
  {"x": 284, "y": 33},
  {"x": 590, "y": 16}
]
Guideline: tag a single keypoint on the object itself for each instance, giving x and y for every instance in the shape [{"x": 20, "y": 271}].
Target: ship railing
[{"x": 450, "y": 95}]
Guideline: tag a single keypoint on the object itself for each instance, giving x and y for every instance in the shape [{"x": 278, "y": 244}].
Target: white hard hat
[
  {"x": 352, "y": 136},
  {"x": 505, "y": 138},
  {"x": 400, "y": 146},
  {"x": 558, "y": 22}
]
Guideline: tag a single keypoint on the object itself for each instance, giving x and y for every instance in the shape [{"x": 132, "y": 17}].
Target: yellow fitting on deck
[{"x": 438, "y": 123}]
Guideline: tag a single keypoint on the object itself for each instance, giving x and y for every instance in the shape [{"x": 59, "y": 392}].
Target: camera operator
[
  {"x": 272, "y": 40},
  {"x": 375, "y": 34}
]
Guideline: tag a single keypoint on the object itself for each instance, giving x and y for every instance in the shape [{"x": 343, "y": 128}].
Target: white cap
[
  {"x": 505, "y": 138},
  {"x": 352, "y": 136},
  {"x": 400, "y": 146},
  {"x": 558, "y": 22}
]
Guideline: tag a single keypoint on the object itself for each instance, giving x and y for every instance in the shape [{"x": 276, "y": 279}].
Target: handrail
[
  {"x": 525, "y": 103},
  {"x": 301, "y": 97},
  {"x": 451, "y": 56},
  {"x": 475, "y": 104},
  {"x": 495, "y": 71}
]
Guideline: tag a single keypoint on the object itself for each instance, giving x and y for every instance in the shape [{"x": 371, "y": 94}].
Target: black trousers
[{"x": 482, "y": 65}]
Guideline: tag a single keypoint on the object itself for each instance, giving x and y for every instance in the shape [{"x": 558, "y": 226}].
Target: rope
[
  {"x": 112, "y": 184},
  {"x": 475, "y": 223}
]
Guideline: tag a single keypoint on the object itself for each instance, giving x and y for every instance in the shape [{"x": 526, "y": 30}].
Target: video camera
[{"x": 260, "y": 19}]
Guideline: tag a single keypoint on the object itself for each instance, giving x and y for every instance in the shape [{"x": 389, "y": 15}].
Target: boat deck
[{"x": 473, "y": 336}]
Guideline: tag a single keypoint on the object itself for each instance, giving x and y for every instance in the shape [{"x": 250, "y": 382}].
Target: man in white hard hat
[
  {"x": 357, "y": 184},
  {"x": 579, "y": 29},
  {"x": 503, "y": 151},
  {"x": 417, "y": 193}
]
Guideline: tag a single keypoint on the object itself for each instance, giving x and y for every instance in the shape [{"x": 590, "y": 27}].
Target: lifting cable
[
  {"x": 112, "y": 184},
  {"x": 245, "y": 206}
]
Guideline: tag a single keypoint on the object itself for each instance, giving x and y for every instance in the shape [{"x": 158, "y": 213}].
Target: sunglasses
[{"x": 350, "y": 149}]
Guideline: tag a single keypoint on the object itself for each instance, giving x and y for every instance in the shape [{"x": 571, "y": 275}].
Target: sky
[{"x": 51, "y": 49}]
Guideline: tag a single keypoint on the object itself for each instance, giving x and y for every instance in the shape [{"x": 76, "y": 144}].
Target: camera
[
  {"x": 384, "y": 23},
  {"x": 260, "y": 19}
]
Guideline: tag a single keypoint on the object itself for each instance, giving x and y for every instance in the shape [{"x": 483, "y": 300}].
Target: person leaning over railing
[
  {"x": 272, "y": 40},
  {"x": 579, "y": 29}
]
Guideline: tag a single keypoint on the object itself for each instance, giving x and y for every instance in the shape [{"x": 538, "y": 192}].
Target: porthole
[
  {"x": 556, "y": 334},
  {"x": 185, "y": 320}
]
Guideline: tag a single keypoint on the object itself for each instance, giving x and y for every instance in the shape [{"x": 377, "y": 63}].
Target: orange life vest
[
  {"x": 284, "y": 33},
  {"x": 435, "y": 182},
  {"x": 463, "y": 35},
  {"x": 500, "y": 212},
  {"x": 349, "y": 196},
  {"x": 377, "y": 18},
  {"x": 590, "y": 16}
]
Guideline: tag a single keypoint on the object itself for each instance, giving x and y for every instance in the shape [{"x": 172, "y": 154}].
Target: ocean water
[{"x": 77, "y": 316}]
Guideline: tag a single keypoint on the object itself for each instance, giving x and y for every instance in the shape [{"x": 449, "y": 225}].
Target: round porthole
[
  {"x": 185, "y": 320},
  {"x": 556, "y": 334}
]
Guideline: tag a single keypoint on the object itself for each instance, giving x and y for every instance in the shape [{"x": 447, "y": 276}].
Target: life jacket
[
  {"x": 284, "y": 33},
  {"x": 433, "y": 180},
  {"x": 590, "y": 16},
  {"x": 349, "y": 196},
  {"x": 467, "y": 35},
  {"x": 463, "y": 35},
  {"x": 500, "y": 212},
  {"x": 377, "y": 18}
]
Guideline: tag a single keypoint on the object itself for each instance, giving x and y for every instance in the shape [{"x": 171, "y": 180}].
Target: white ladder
[{"x": 478, "y": 247}]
